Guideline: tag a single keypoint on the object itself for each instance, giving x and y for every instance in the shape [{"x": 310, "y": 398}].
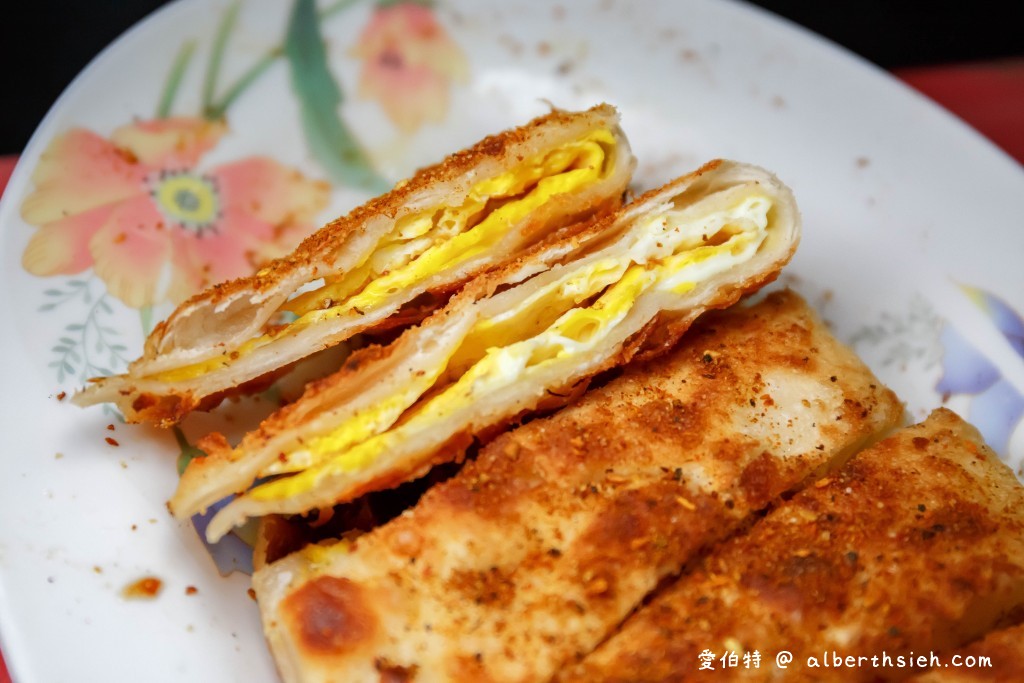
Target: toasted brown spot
[
  {"x": 392, "y": 673},
  {"x": 164, "y": 410},
  {"x": 492, "y": 587},
  {"x": 329, "y": 615},
  {"x": 761, "y": 480}
]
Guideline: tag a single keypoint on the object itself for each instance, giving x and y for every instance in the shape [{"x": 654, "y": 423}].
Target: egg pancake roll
[
  {"x": 538, "y": 549},
  {"x": 408, "y": 248},
  {"x": 574, "y": 306},
  {"x": 917, "y": 545}
]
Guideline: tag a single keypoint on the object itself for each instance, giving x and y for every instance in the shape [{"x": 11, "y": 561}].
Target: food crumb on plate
[{"x": 145, "y": 588}]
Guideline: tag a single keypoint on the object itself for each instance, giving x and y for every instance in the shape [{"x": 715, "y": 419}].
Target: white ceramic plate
[{"x": 912, "y": 250}]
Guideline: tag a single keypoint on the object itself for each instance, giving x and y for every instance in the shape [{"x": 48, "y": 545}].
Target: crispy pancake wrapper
[{"x": 917, "y": 545}]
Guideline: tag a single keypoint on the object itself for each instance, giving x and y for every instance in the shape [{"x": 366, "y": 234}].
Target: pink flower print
[
  {"x": 152, "y": 226},
  {"x": 409, "y": 64}
]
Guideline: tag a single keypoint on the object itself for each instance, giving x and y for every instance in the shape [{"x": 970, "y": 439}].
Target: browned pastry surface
[{"x": 916, "y": 545}]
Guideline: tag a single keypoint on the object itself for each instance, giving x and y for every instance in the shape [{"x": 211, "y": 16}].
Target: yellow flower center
[{"x": 187, "y": 199}]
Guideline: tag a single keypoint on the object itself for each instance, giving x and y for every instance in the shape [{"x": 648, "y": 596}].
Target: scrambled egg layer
[
  {"x": 428, "y": 242},
  {"x": 670, "y": 252}
]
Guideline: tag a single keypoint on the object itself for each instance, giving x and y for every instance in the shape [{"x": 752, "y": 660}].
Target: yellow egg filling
[
  {"x": 547, "y": 327},
  {"x": 445, "y": 242},
  {"x": 426, "y": 243}
]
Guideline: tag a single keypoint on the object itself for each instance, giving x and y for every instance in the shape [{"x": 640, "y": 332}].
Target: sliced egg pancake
[
  {"x": 555, "y": 317},
  {"x": 438, "y": 239},
  {"x": 448, "y": 223},
  {"x": 510, "y": 357}
]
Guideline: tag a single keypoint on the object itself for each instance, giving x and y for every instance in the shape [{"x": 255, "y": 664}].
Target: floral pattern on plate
[
  {"x": 966, "y": 376},
  {"x": 409, "y": 64},
  {"x": 997, "y": 406},
  {"x": 154, "y": 226}
]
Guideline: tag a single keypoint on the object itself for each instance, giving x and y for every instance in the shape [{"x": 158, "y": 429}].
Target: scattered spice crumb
[
  {"x": 62, "y": 395},
  {"x": 191, "y": 590},
  {"x": 98, "y": 569},
  {"x": 110, "y": 427},
  {"x": 152, "y": 520},
  {"x": 124, "y": 465},
  {"x": 58, "y": 456},
  {"x": 145, "y": 588},
  {"x": 863, "y": 162},
  {"x": 252, "y": 593},
  {"x": 112, "y": 441},
  {"x": 135, "y": 527},
  {"x": 686, "y": 503}
]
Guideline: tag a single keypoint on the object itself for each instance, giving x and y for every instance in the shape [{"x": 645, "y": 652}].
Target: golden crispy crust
[
  {"x": 540, "y": 546},
  {"x": 916, "y": 545}
]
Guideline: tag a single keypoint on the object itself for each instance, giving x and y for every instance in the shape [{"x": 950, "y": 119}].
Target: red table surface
[{"x": 988, "y": 95}]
